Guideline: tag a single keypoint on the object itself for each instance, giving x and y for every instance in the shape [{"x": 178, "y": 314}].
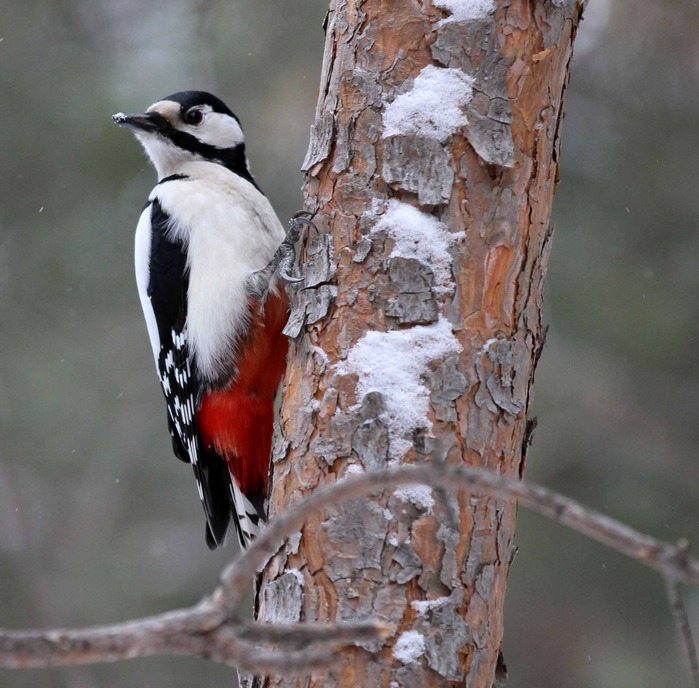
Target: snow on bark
[
  {"x": 433, "y": 108},
  {"x": 422, "y": 607},
  {"x": 393, "y": 363},
  {"x": 419, "y": 495},
  {"x": 465, "y": 10},
  {"x": 420, "y": 236},
  {"x": 409, "y": 647}
]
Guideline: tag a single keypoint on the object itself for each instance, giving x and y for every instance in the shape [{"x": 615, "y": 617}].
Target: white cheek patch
[{"x": 219, "y": 130}]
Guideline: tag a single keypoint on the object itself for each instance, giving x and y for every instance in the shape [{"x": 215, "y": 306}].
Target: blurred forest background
[{"x": 99, "y": 522}]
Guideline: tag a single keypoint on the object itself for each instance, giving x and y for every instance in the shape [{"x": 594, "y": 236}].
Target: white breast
[{"x": 230, "y": 231}]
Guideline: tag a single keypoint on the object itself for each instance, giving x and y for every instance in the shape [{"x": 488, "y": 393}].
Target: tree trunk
[{"x": 432, "y": 167}]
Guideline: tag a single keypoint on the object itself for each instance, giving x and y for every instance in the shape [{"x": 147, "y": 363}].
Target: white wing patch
[
  {"x": 247, "y": 516},
  {"x": 142, "y": 249}
]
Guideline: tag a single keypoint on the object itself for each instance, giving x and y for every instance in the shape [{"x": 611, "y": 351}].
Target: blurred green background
[{"x": 99, "y": 523}]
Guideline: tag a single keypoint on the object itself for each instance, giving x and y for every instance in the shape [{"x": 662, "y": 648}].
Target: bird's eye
[{"x": 193, "y": 117}]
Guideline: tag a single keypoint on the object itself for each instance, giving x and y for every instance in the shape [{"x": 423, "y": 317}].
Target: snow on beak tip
[{"x": 137, "y": 122}]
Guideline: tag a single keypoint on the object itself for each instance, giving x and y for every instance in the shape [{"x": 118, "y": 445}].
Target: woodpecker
[{"x": 208, "y": 245}]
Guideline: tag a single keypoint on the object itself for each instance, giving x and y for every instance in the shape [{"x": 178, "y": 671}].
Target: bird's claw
[
  {"x": 297, "y": 221},
  {"x": 304, "y": 217},
  {"x": 288, "y": 278},
  {"x": 288, "y": 256},
  {"x": 286, "y": 249}
]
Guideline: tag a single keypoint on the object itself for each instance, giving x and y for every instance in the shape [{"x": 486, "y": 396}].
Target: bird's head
[{"x": 189, "y": 126}]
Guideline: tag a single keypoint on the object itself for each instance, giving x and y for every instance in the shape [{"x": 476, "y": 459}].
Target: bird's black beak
[{"x": 149, "y": 121}]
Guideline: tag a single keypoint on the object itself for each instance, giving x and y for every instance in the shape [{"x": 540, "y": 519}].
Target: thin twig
[
  {"x": 679, "y": 612},
  {"x": 303, "y": 634}
]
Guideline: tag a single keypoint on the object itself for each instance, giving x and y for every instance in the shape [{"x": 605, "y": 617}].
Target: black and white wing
[{"x": 162, "y": 278}]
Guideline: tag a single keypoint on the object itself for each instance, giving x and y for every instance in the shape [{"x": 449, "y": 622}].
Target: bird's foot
[{"x": 285, "y": 256}]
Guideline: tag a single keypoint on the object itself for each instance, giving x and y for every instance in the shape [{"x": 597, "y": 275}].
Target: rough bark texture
[{"x": 491, "y": 183}]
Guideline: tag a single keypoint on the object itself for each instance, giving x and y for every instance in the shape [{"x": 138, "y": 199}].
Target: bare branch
[
  {"x": 659, "y": 555},
  {"x": 57, "y": 647},
  {"x": 303, "y": 634},
  {"x": 200, "y": 631},
  {"x": 209, "y": 629}
]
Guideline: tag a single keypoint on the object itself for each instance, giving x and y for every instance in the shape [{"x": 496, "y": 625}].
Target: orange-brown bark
[{"x": 490, "y": 182}]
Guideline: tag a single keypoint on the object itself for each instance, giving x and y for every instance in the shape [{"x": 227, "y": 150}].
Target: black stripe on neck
[
  {"x": 233, "y": 159},
  {"x": 173, "y": 177}
]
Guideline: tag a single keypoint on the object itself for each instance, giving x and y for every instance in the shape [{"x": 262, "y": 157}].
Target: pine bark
[{"x": 491, "y": 184}]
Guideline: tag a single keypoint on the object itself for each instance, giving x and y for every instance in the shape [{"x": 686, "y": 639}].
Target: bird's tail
[
  {"x": 238, "y": 425},
  {"x": 249, "y": 513}
]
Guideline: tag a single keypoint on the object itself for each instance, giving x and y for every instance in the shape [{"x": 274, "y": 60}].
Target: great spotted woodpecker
[{"x": 207, "y": 253}]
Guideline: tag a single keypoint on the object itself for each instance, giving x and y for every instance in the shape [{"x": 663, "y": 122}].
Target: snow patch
[
  {"x": 420, "y": 236},
  {"x": 297, "y": 574},
  {"x": 419, "y": 495},
  {"x": 488, "y": 343},
  {"x": 409, "y": 647},
  {"x": 424, "y": 606},
  {"x": 392, "y": 363},
  {"x": 465, "y": 10},
  {"x": 433, "y": 107}
]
